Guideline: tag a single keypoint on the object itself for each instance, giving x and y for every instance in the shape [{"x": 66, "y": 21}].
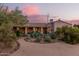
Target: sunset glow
[
  {"x": 65, "y": 11},
  {"x": 30, "y": 10}
]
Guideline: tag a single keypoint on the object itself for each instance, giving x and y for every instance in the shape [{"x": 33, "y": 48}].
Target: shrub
[
  {"x": 38, "y": 39},
  {"x": 17, "y": 33},
  {"x": 70, "y": 34},
  {"x": 35, "y": 34},
  {"x": 7, "y": 37},
  {"x": 7, "y": 21},
  {"x": 52, "y": 35},
  {"x": 47, "y": 38},
  {"x": 59, "y": 33}
]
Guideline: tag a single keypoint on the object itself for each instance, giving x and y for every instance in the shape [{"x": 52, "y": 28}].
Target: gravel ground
[{"x": 51, "y": 49}]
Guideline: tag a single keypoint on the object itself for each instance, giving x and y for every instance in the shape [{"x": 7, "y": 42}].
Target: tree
[
  {"x": 7, "y": 21},
  {"x": 18, "y": 18}
]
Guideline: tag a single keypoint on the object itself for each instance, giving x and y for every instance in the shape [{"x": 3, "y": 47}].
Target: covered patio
[
  {"x": 32, "y": 27},
  {"x": 35, "y": 29}
]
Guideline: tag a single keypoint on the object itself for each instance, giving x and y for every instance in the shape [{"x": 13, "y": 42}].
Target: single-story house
[{"x": 43, "y": 27}]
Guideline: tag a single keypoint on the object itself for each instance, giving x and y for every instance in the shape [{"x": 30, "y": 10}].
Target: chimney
[{"x": 52, "y": 25}]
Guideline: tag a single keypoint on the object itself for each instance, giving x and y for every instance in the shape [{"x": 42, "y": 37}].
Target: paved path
[{"x": 53, "y": 49}]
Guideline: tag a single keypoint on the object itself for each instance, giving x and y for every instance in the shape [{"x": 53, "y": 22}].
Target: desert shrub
[
  {"x": 17, "y": 33},
  {"x": 52, "y": 35},
  {"x": 7, "y": 37},
  {"x": 36, "y": 34},
  {"x": 43, "y": 38},
  {"x": 59, "y": 33},
  {"x": 38, "y": 39},
  {"x": 47, "y": 38},
  {"x": 7, "y": 21},
  {"x": 70, "y": 34}
]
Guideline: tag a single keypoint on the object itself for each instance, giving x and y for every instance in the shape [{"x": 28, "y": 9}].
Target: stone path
[{"x": 52, "y": 49}]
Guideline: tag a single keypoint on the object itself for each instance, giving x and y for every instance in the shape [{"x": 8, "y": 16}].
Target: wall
[{"x": 59, "y": 24}]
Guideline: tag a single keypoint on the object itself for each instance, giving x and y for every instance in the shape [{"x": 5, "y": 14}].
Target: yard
[
  {"x": 10, "y": 32},
  {"x": 50, "y": 49}
]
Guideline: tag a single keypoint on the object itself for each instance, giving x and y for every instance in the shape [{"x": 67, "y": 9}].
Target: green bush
[
  {"x": 43, "y": 37},
  {"x": 47, "y": 38},
  {"x": 7, "y": 21},
  {"x": 38, "y": 39},
  {"x": 35, "y": 34},
  {"x": 17, "y": 33},
  {"x": 70, "y": 34},
  {"x": 7, "y": 37},
  {"x": 52, "y": 35}
]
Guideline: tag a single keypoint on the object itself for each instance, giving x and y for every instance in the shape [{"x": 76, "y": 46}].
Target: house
[
  {"x": 59, "y": 23},
  {"x": 43, "y": 27}
]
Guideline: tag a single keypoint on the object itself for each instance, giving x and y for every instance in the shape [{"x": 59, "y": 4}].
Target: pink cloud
[
  {"x": 30, "y": 10},
  {"x": 33, "y": 11}
]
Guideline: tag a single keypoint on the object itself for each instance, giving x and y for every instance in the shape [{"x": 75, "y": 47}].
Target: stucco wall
[{"x": 59, "y": 24}]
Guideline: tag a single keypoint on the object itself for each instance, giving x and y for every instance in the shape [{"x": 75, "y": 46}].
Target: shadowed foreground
[{"x": 52, "y": 49}]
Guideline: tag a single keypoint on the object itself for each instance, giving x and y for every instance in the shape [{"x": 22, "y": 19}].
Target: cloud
[
  {"x": 33, "y": 13},
  {"x": 30, "y": 10}
]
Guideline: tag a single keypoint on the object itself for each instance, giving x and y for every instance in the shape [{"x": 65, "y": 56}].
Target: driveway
[{"x": 51, "y": 49}]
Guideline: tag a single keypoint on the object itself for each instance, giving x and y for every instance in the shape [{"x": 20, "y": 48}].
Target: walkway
[{"x": 53, "y": 49}]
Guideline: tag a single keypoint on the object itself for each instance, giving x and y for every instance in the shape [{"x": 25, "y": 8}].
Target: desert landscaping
[
  {"x": 20, "y": 37},
  {"x": 50, "y": 49}
]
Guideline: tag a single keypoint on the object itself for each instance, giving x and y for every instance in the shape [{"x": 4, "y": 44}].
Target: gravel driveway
[{"x": 51, "y": 49}]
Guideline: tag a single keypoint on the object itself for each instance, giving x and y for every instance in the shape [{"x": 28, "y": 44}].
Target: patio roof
[{"x": 36, "y": 25}]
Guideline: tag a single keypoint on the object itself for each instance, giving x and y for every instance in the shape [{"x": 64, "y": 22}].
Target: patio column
[
  {"x": 42, "y": 30},
  {"x": 49, "y": 30},
  {"x": 17, "y": 28},
  {"x": 25, "y": 30},
  {"x": 34, "y": 29}
]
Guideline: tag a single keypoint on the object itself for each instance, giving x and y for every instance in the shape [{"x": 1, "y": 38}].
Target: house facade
[
  {"x": 60, "y": 23},
  {"x": 43, "y": 27}
]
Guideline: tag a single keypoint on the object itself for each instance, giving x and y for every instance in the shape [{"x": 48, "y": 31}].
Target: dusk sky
[{"x": 62, "y": 10}]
